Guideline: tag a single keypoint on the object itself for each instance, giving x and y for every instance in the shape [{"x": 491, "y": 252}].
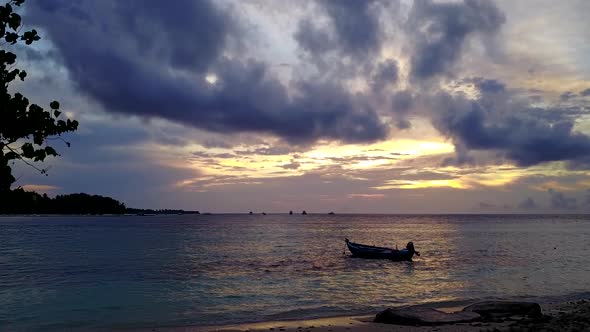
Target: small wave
[{"x": 317, "y": 312}]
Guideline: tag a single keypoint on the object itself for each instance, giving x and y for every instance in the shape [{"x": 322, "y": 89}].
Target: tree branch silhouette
[{"x": 20, "y": 121}]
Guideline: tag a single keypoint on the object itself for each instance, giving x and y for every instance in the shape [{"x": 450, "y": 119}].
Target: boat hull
[{"x": 373, "y": 252}]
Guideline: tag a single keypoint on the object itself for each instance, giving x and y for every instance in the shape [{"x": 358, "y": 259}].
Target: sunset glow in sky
[{"x": 347, "y": 106}]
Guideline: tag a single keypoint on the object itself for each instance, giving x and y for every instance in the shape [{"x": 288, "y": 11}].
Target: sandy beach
[{"x": 565, "y": 316}]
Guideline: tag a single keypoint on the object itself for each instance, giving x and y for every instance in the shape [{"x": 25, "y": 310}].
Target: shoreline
[{"x": 572, "y": 315}]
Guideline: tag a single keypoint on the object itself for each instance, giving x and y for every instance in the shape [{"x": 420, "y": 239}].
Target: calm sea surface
[{"x": 83, "y": 273}]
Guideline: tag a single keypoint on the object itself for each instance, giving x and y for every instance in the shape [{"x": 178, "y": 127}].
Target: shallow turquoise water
[{"x": 84, "y": 273}]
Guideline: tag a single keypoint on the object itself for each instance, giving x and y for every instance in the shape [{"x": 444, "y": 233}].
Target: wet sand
[{"x": 566, "y": 316}]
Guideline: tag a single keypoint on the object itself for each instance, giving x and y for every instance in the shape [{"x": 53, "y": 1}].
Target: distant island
[{"x": 19, "y": 201}]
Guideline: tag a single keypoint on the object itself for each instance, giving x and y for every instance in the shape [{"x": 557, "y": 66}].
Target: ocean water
[{"x": 84, "y": 273}]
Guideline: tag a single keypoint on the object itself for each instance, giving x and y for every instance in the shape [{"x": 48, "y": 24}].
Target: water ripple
[{"x": 103, "y": 272}]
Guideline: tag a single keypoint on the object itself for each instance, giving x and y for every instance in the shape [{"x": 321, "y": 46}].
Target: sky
[{"x": 345, "y": 106}]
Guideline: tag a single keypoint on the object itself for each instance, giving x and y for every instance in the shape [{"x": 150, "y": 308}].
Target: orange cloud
[{"x": 39, "y": 187}]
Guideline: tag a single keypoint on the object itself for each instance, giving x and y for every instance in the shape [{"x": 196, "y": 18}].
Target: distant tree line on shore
[{"x": 19, "y": 201}]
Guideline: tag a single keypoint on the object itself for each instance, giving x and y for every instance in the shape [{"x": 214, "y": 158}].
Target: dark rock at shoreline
[
  {"x": 497, "y": 309},
  {"x": 423, "y": 316},
  {"x": 487, "y": 311}
]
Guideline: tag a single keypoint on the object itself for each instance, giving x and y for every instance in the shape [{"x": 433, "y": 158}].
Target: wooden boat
[{"x": 365, "y": 251}]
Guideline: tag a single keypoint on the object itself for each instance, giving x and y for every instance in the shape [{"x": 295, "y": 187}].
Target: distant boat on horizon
[{"x": 304, "y": 212}]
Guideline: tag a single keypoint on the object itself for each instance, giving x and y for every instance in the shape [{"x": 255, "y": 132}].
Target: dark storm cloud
[
  {"x": 196, "y": 30},
  {"x": 274, "y": 150},
  {"x": 202, "y": 154},
  {"x": 403, "y": 124},
  {"x": 312, "y": 38},
  {"x": 31, "y": 54},
  {"x": 560, "y": 201},
  {"x": 490, "y": 86},
  {"x": 104, "y": 141},
  {"x": 502, "y": 122},
  {"x": 567, "y": 96},
  {"x": 386, "y": 73},
  {"x": 486, "y": 85},
  {"x": 215, "y": 143},
  {"x": 425, "y": 176},
  {"x": 172, "y": 140},
  {"x": 353, "y": 30},
  {"x": 149, "y": 58},
  {"x": 489, "y": 124},
  {"x": 356, "y": 25},
  {"x": 401, "y": 102},
  {"x": 183, "y": 33},
  {"x": 292, "y": 165},
  {"x": 439, "y": 31},
  {"x": 358, "y": 158},
  {"x": 554, "y": 114}
]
